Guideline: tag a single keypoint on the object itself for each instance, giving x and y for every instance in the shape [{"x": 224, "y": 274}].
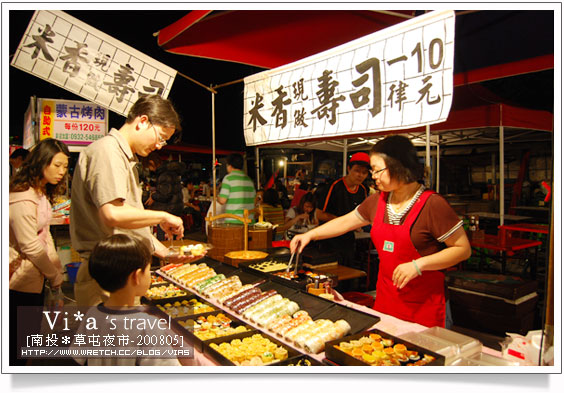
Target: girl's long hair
[
  {"x": 31, "y": 171},
  {"x": 309, "y": 197}
]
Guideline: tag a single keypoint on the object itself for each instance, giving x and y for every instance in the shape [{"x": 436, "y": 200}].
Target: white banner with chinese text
[
  {"x": 396, "y": 78},
  {"x": 72, "y": 122},
  {"x": 77, "y": 57}
]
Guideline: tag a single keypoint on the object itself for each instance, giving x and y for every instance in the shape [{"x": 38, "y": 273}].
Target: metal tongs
[{"x": 297, "y": 261}]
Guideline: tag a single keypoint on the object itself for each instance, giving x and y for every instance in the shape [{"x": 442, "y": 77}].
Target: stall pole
[
  {"x": 345, "y": 152},
  {"x": 213, "y": 152},
  {"x": 438, "y": 163},
  {"x": 285, "y": 171},
  {"x": 257, "y": 166},
  {"x": 494, "y": 180},
  {"x": 428, "y": 155},
  {"x": 501, "y": 169}
]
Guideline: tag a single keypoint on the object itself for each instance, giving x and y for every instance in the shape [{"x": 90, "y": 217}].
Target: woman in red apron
[{"x": 416, "y": 232}]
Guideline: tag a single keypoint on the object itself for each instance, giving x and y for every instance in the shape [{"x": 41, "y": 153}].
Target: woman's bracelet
[{"x": 417, "y": 267}]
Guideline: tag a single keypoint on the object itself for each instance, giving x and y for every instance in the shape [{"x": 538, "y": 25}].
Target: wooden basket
[
  {"x": 260, "y": 239},
  {"x": 225, "y": 238}
]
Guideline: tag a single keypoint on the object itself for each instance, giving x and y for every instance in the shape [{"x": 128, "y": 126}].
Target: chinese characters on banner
[
  {"x": 397, "y": 78},
  {"x": 73, "y": 55},
  {"x": 72, "y": 122}
]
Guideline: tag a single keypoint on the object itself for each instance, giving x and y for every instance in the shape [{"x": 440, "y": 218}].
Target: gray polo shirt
[{"x": 105, "y": 171}]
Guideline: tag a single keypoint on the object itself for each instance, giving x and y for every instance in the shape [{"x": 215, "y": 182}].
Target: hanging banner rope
[{"x": 397, "y": 78}]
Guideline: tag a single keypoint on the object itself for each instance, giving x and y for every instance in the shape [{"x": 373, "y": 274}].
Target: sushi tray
[
  {"x": 302, "y": 360},
  {"x": 358, "y": 320},
  {"x": 184, "y": 306},
  {"x": 314, "y": 305},
  {"x": 275, "y": 270},
  {"x": 270, "y": 264},
  {"x": 377, "y": 348},
  {"x": 205, "y": 327},
  {"x": 251, "y": 348},
  {"x": 164, "y": 292},
  {"x": 246, "y": 277},
  {"x": 279, "y": 288}
]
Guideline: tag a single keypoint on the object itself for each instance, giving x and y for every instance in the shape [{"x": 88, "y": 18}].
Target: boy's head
[{"x": 115, "y": 259}]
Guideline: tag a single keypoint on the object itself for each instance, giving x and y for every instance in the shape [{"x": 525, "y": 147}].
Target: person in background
[
  {"x": 282, "y": 193},
  {"x": 299, "y": 192},
  {"x": 301, "y": 218},
  {"x": 17, "y": 158},
  {"x": 106, "y": 198},
  {"x": 272, "y": 211},
  {"x": 416, "y": 232},
  {"x": 237, "y": 190},
  {"x": 168, "y": 193},
  {"x": 121, "y": 265},
  {"x": 33, "y": 256},
  {"x": 191, "y": 205},
  {"x": 344, "y": 195},
  {"x": 258, "y": 199}
]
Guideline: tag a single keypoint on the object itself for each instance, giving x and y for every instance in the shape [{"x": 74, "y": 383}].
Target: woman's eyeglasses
[{"x": 374, "y": 172}]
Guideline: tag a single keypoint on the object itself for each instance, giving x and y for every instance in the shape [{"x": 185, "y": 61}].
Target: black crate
[
  {"x": 343, "y": 359},
  {"x": 223, "y": 361},
  {"x": 293, "y": 361},
  {"x": 358, "y": 320},
  {"x": 197, "y": 342}
]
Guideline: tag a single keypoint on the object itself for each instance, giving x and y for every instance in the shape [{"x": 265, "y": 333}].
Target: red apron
[{"x": 422, "y": 300}]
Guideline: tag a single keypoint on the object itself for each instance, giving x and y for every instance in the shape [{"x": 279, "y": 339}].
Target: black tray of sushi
[
  {"x": 302, "y": 360},
  {"x": 188, "y": 323},
  {"x": 188, "y": 305},
  {"x": 314, "y": 305},
  {"x": 391, "y": 351},
  {"x": 213, "y": 354},
  {"x": 358, "y": 320},
  {"x": 283, "y": 290},
  {"x": 246, "y": 277}
]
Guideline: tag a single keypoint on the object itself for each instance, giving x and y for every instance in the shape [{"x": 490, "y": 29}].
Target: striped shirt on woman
[{"x": 239, "y": 190}]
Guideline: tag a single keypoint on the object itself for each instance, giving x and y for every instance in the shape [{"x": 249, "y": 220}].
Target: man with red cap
[{"x": 344, "y": 195}]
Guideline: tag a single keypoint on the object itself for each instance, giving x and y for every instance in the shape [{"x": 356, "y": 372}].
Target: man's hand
[
  {"x": 57, "y": 281},
  {"x": 172, "y": 226}
]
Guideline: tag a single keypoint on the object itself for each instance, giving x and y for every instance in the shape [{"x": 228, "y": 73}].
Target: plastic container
[
  {"x": 483, "y": 359},
  {"x": 72, "y": 269},
  {"x": 452, "y": 345},
  {"x": 467, "y": 346}
]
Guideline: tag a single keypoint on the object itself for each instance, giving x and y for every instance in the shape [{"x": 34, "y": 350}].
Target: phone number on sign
[{"x": 78, "y": 137}]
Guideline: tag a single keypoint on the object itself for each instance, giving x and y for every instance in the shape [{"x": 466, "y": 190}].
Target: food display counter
[{"x": 292, "y": 327}]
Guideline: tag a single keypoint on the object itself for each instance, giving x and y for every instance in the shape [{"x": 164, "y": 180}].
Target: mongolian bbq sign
[
  {"x": 73, "y": 55},
  {"x": 72, "y": 122},
  {"x": 397, "y": 78}
]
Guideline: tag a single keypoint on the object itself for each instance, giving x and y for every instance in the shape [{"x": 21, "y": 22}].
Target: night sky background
[{"x": 520, "y": 34}]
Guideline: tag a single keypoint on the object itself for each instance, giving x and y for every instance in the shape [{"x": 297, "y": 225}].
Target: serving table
[{"x": 387, "y": 324}]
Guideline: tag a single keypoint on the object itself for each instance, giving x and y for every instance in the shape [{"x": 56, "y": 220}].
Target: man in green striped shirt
[{"x": 237, "y": 189}]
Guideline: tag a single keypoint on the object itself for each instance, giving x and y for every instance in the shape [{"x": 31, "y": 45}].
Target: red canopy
[{"x": 270, "y": 39}]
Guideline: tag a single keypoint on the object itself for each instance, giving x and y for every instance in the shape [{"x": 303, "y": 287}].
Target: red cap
[{"x": 360, "y": 158}]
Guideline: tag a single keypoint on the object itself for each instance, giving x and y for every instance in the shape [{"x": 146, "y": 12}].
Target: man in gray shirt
[{"x": 106, "y": 195}]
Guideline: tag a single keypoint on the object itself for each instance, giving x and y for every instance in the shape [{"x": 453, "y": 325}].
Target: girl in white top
[{"x": 303, "y": 217}]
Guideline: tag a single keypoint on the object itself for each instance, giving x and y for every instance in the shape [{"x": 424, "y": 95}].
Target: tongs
[{"x": 297, "y": 260}]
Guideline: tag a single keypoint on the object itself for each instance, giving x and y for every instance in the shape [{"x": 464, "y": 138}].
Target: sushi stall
[{"x": 321, "y": 331}]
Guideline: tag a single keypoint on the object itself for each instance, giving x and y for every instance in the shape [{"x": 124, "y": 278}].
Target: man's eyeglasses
[
  {"x": 161, "y": 142},
  {"x": 374, "y": 173}
]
